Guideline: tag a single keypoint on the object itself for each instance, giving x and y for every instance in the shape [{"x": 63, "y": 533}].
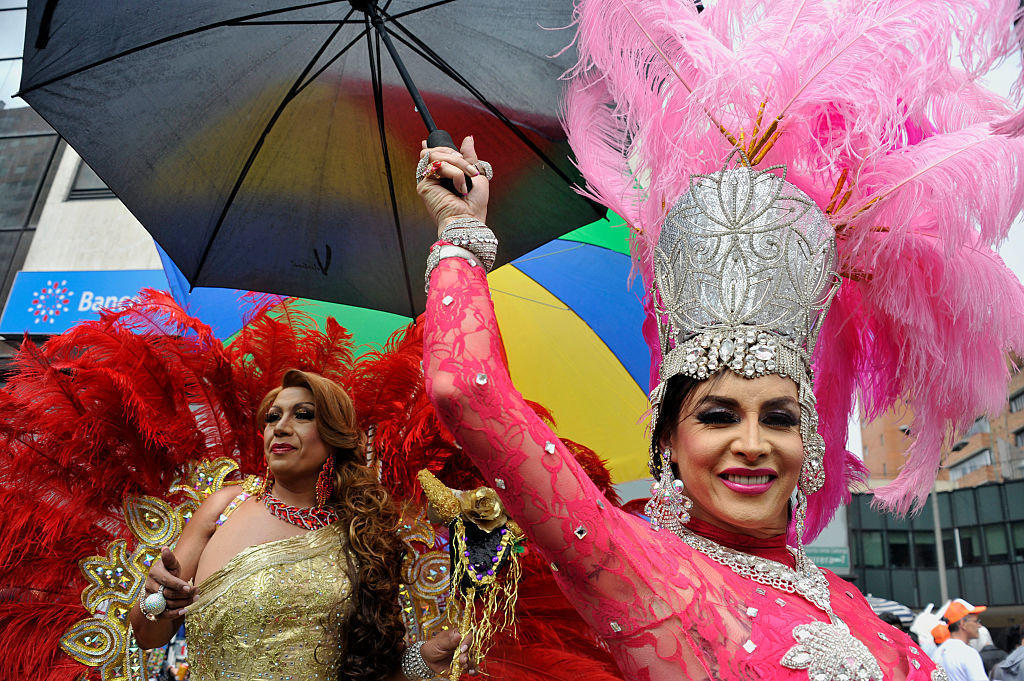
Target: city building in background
[
  {"x": 68, "y": 246},
  {"x": 992, "y": 450},
  {"x": 980, "y": 498},
  {"x": 28, "y": 152}
]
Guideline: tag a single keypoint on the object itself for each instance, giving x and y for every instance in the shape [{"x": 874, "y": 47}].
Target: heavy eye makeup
[
  {"x": 301, "y": 413},
  {"x": 780, "y": 418},
  {"x": 780, "y": 413},
  {"x": 775, "y": 413},
  {"x": 717, "y": 416}
]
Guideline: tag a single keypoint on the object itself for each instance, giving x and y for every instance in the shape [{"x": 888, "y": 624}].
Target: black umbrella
[{"x": 271, "y": 145}]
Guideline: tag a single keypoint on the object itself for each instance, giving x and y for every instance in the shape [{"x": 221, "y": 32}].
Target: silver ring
[
  {"x": 485, "y": 169},
  {"x": 153, "y": 604},
  {"x": 421, "y": 168}
]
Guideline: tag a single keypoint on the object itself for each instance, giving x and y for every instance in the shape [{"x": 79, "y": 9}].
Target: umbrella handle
[{"x": 441, "y": 138}]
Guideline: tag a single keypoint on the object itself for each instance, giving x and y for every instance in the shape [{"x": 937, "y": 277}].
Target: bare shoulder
[{"x": 211, "y": 508}]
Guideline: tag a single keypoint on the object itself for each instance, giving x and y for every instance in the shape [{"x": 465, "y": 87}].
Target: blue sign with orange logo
[{"x": 53, "y": 302}]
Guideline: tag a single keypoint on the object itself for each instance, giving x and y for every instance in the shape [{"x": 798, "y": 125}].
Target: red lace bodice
[{"x": 666, "y": 611}]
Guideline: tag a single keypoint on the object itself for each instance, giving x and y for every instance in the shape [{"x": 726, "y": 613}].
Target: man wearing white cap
[{"x": 960, "y": 624}]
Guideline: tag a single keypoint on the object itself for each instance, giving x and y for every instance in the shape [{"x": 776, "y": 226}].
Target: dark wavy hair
[
  {"x": 373, "y": 636},
  {"x": 678, "y": 390}
]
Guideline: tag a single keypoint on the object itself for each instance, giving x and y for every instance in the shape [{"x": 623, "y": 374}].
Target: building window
[
  {"x": 24, "y": 164},
  {"x": 996, "y": 544},
  {"x": 1018, "y": 438},
  {"x": 1017, "y": 530},
  {"x": 980, "y": 426},
  {"x": 970, "y": 546},
  {"x": 972, "y": 463},
  {"x": 88, "y": 185},
  {"x": 949, "y": 549},
  {"x": 899, "y": 549},
  {"x": 1017, "y": 401},
  {"x": 924, "y": 550},
  {"x": 874, "y": 553}
]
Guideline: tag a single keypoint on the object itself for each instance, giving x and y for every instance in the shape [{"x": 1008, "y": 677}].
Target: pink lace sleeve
[
  {"x": 664, "y": 610},
  {"x": 539, "y": 481}
]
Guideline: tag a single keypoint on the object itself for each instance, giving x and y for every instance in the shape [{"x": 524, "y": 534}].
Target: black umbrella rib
[
  {"x": 171, "y": 38},
  {"x": 378, "y": 104},
  {"x": 304, "y": 22},
  {"x": 340, "y": 53},
  {"x": 427, "y": 53},
  {"x": 330, "y": 61},
  {"x": 289, "y": 96},
  {"x": 407, "y": 12}
]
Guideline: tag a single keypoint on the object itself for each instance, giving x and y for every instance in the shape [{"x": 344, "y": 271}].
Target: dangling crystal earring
[
  {"x": 812, "y": 477},
  {"x": 325, "y": 482},
  {"x": 668, "y": 507},
  {"x": 812, "y": 472}
]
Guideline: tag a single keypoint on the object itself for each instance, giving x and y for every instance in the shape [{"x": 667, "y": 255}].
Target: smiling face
[
  {"x": 291, "y": 440},
  {"x": 737, "y": 448}
]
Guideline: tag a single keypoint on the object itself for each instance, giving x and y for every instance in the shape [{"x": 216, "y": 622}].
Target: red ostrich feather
[{"x": 122, "y": 405}]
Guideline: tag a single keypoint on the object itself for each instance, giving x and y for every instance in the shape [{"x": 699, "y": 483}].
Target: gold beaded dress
[{"x": 274, "y": 612}]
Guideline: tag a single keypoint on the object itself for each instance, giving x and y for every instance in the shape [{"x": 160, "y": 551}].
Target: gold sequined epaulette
[
  {"x": 105, "y": 639},
  {"x": 441, "y": 499},
  {"x": 253, "y": 484}
]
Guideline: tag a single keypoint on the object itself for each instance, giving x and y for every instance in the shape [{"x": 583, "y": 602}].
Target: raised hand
[{"x": 446, "y": 163}]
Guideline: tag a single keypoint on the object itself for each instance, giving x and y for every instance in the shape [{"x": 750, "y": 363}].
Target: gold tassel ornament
[{"x": 483, "y": 542}]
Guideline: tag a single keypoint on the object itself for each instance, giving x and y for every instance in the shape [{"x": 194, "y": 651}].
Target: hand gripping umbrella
[{"x": 271, "y": 145}]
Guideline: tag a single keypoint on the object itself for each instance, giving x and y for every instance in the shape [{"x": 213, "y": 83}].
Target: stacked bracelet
[
  {"x": 475, "y": 237},
  {"x": 466, "y": 238},
  {"x": 413, "y": 665},
  {"x": 441, "y": 250}
]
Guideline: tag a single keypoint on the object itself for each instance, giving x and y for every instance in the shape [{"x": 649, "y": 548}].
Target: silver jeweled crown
[{"x": 744, "y": 274}]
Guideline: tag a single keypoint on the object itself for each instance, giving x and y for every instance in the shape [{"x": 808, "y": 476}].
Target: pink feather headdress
[{"x": 861, "y": 102}]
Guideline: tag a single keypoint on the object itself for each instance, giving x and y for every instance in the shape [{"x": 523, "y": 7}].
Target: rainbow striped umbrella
[{"x": 572, "y": 333}]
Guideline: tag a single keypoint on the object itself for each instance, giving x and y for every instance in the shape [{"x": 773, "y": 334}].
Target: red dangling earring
[{"x": 325, "y": 482}]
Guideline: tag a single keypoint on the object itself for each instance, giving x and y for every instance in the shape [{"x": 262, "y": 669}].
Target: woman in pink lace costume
[{"x": 666, "y": 610}]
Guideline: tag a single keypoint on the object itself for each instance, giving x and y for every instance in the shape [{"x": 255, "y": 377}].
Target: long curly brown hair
[{"x": 373, "y": 635}]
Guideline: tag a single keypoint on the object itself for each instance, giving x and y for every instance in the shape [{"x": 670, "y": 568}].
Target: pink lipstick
[{"x": 747, "y": 480}]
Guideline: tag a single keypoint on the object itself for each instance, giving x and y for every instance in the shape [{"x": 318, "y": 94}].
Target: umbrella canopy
[
  {"x": 884, "y": 605},
  {"x": 571, "y": 329},
  {"x": 270, "y": 146}
]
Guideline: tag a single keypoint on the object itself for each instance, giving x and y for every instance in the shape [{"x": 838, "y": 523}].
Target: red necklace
[{"x": 308, "y": 518}]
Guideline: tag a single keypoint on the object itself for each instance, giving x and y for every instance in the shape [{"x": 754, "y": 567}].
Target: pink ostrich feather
[{"x": 867, "y": 88}]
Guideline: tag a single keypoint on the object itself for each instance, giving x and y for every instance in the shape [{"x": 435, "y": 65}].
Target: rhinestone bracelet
[
  {"x": 475, "y": 237},
  {"x": 441, "y": 250},
  {"x": 413, "y": 665}
]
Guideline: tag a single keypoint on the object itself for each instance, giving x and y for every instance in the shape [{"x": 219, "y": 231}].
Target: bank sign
[{"x": 53, "y": 302}]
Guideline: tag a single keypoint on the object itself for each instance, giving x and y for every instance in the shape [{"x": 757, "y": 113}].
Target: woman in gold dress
[{"x": 295, "y": 576}]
